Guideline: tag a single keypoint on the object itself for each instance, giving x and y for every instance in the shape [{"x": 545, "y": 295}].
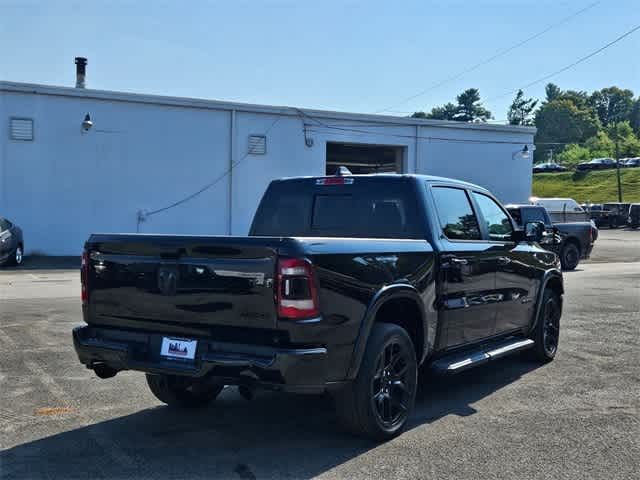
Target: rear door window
[{"x": 456, "y": 216}]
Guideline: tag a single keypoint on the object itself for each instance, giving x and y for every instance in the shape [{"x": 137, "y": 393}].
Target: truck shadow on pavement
[
  {"x": 275, "y": 435},
  {"x": 38, "y": 262}
]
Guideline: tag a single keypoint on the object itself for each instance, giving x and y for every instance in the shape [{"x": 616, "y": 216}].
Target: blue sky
[{"x": 359, "y": 56}]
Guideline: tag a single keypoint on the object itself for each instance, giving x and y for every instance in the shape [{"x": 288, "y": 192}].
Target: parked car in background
[
  {"x": 597, "y": 213},
  {"x": 616, "y": 214},
  {"x": 634, "y": 215},
  {"x": 571, "y": 241},
  {"x": 548, "y": 168},
  {"x": 597, "y": 164},
  {"x": 11, "y": 243},
  {"x": 345, "y": 285},
  {"x": 562, "y": 209},
  {"x": 630, "y": 162}
]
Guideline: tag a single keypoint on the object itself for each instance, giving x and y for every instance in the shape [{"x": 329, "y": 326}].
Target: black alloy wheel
[
  {"x": 551, "y": 326},
  {"x": 570, "y": 256},
  {"x": 546, "y": 334},
  {"x": 378, "y": 403},
  {"x": 390, "y": 386}
]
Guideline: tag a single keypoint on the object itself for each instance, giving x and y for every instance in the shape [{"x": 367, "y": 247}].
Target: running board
[{"x": 458, "y": 362}]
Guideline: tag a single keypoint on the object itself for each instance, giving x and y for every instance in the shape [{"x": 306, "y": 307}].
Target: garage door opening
[{"x": 363, "y": 159}]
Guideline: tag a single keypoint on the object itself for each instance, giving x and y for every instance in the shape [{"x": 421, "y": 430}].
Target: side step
[{"x": 458, "y": 362}]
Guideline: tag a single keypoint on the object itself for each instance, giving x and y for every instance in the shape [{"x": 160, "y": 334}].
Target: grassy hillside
[{"x": 595, "y": 187}]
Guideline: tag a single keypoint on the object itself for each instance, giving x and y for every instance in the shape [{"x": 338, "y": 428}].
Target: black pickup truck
[
  {"x": 344, "y": 285},
  {"x": 572, "y": 241}
]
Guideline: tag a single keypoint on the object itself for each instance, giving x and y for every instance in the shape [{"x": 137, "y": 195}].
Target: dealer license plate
[{"x": 178, "y": 348}]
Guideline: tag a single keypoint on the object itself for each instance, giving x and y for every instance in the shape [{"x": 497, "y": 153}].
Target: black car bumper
[{"x": 301, "y": 370}]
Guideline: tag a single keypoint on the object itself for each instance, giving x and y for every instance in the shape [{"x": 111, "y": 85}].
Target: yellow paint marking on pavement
[{"x": 53, "y": 410}]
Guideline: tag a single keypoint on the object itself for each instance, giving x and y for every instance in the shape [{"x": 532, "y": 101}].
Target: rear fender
[
  {"x": 386, "y": 294},
  {"x": 549, "y": 276}
]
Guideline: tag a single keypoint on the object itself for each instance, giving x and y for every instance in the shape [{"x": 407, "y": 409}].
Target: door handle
[
  {"x": 504, "y": 260},
  {"x": 459, "y": 261}
]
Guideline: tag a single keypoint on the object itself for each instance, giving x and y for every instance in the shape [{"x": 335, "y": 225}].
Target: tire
[
  {"x": 18, "y": 256},
  {"x": 546, "y": 334},
  {"x": 569, "y": 256},
  {"x": 379, "y": 401},
  {"x": 179, "y": 392}
]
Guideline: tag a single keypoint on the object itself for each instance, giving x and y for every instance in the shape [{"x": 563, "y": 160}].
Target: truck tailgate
[{"x": 165, "y": 279}]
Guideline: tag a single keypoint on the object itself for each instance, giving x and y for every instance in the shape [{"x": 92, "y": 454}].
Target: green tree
[
  {"x": 612, "y": 104},
  {"x": 634, "y": 118},
  {"x": 446, "y": 112},
  {"x": 628, "y": 143},
  {"x": 600, "y": 145},
  {"x": 552, "y": 92},
  {"x": 562, "y": 122},
  {"x": 521, "y": 110},
  {"x": 470, "y": 108},
  {"x": 572, "y": 155},
  {"x": 579, "y": 98}
]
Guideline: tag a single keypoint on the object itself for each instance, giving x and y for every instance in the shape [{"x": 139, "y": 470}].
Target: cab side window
[
  {"x": 457, "y": 220},
  {"x": 498, "y": 222}
]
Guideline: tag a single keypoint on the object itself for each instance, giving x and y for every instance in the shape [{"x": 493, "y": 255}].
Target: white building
[{"x": 60, "y": 181}]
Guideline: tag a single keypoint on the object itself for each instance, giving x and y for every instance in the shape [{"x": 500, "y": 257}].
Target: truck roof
[{"x": 426, "y": 178}]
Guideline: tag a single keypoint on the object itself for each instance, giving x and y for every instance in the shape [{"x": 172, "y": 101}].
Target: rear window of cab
[{"x": 360, "y": 207}]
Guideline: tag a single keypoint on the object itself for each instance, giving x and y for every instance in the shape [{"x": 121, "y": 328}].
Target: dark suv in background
[
  {"x": 616, "y": 213},
  {"x": 11, "y": 243}
]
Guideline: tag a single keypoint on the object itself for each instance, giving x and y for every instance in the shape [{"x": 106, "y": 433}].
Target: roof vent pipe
[{"x": 81, "y": 70}]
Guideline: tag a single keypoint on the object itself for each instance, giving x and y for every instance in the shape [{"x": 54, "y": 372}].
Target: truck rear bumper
[{"x": 301, "y": 370}]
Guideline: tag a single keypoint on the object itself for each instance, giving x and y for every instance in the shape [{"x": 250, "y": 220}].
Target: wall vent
[
  {"x": 257, "y": 144},
  {"x": 21, "y": 129}
]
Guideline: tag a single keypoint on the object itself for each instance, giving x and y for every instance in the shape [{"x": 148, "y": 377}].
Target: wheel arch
[
  {"x": 552, "y": 279},
  {"x": 573, "y": 239},
  {"x": 381, "y": 308}
]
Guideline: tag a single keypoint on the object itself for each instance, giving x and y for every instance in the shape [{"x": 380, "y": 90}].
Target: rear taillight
[
  {"x": 84, "y": 278},
  {"x": 297, "y": 293}
]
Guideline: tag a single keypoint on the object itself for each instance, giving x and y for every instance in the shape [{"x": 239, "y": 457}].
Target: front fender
[{"x": 387, "y": 293}]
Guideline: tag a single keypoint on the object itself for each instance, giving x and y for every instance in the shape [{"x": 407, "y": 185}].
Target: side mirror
[{"x": 533, "y": 231}]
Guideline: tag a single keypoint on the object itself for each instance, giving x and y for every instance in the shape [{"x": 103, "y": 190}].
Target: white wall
[
  {"x": 490, "y": 165},
  {"x": 66, "y": 184}
]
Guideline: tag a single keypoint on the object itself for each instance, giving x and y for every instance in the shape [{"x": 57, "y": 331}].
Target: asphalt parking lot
[{"x": 577, "y": 417}]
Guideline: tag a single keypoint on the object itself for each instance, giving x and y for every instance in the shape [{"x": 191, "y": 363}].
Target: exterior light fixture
[
  {"x": 87, "y": 124},
  {"x": 523, "y": 153}
]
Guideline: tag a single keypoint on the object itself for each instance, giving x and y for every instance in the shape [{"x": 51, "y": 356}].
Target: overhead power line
[
  {"x": 564, "y": 69},
  {"x": 142, "y": 216},
  {"x": 490, "y": 59}
]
